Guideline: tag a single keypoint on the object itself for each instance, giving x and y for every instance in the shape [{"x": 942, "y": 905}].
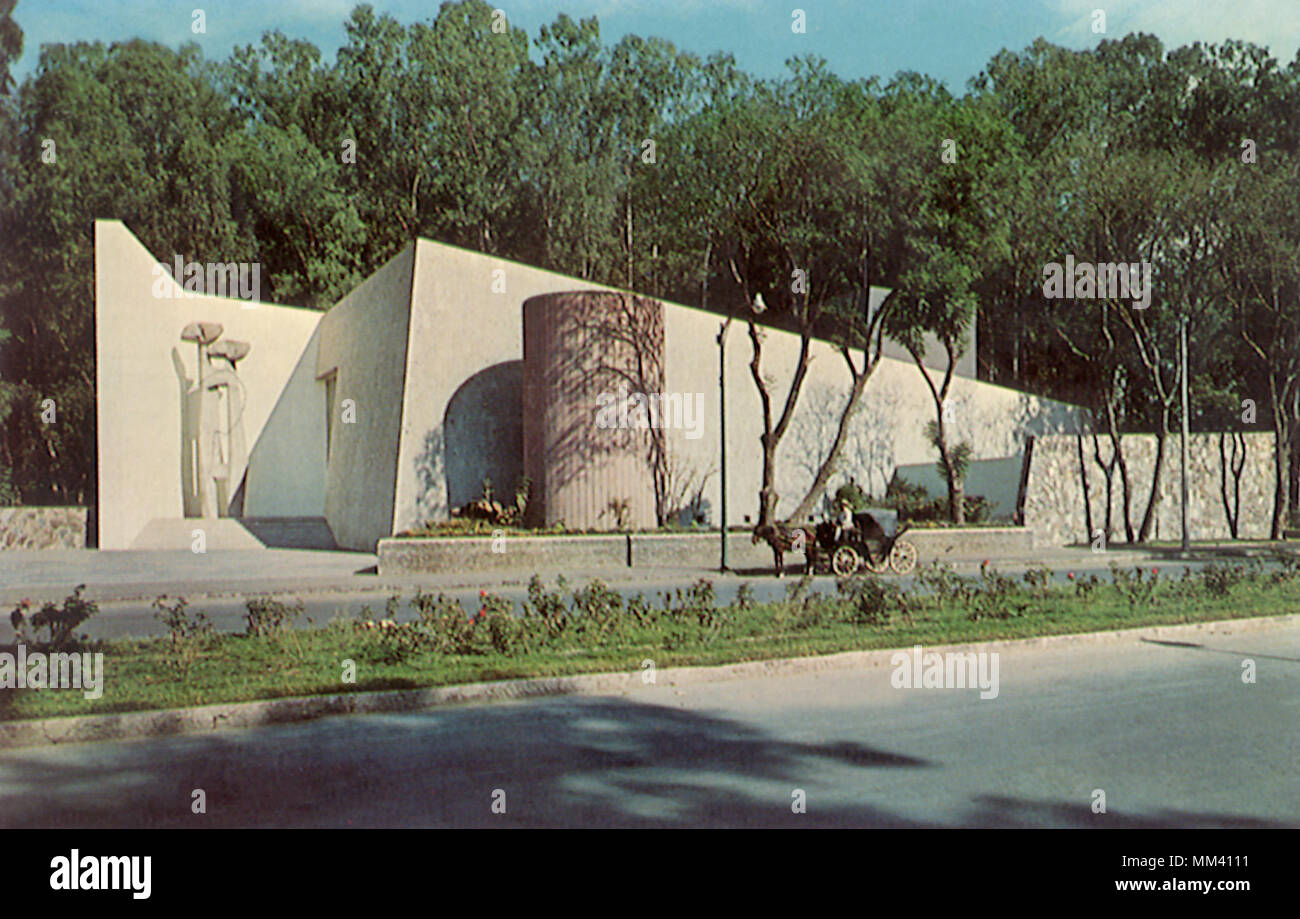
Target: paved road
[
  {"x": 1168, "y": 731},
  {"x": 136, "y": 618}
]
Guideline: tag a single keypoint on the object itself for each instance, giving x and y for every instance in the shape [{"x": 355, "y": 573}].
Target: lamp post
[
  {"x": 1182, "y": 357},
  {"x": 722, "y": 434}
]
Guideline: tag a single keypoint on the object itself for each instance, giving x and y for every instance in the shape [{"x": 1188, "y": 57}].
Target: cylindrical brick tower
[{"x": 591, "y": 360}]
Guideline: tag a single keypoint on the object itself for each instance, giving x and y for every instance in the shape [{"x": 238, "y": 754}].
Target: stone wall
[
  {"x": 1054, "y": 488},
  {"x": 42, "y": 528}
]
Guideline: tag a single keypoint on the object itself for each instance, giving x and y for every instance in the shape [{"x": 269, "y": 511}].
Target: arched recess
[{"x": 483, "y": 434}]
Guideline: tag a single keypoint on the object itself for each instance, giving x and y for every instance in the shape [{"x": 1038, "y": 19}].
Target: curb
[{"x": 209, "y": 718}]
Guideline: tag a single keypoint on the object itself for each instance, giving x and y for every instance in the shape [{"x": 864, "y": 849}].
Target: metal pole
[
  {"x": 722, "y": 435},
  {"x": 1187, "y": 540}
]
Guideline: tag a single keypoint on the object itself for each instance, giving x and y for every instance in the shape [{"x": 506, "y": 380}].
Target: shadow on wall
[
  {"x": 482, "y": 433},
  {"x": 431, "y": 504}
]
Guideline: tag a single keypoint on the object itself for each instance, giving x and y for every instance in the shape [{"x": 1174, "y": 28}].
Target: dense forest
[{"x": 644, "y": 167}]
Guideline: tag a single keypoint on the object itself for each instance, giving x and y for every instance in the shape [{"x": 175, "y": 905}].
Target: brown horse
[{"x": 783, "y": 538}]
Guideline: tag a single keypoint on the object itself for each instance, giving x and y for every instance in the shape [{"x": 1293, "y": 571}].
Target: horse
[{"x": 783, "y": 538}]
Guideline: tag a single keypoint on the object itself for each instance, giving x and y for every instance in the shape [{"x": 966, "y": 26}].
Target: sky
[{"x": 948, "y": 39}]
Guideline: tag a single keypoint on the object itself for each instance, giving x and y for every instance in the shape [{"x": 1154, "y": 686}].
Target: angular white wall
[
  {"x": 363, "y": 342},
  {"x": 138, "y": 391}
]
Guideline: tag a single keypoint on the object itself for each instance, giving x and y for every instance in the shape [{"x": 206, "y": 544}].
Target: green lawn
[{"x": 595, "y": 631}]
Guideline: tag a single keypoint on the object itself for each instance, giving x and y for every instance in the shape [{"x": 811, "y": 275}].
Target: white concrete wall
[
  {"x": 138, "y": 390},
  {"x": 460, "y": 325},
  {"x": 286, "y": 466},
  {"x": 364, "y": 340},
  {"x": 402, "y": 345},
  {"x": 888, "y": 429}
]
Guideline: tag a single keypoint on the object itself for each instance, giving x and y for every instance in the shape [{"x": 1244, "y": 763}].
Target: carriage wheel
[
  {"x": 845, "y": 561},
  {"x": 903, "y": 558}
]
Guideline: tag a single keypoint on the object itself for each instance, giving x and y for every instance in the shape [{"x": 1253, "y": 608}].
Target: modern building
[{"x": 255, "y": 423}]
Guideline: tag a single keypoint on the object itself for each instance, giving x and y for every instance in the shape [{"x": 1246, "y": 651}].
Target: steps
[{"x": 237, "y": 533}]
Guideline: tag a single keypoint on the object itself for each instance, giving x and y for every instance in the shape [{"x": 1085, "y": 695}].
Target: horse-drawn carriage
[{"x": 873, "y": 540}]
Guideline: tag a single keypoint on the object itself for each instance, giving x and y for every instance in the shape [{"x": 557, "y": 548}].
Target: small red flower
[
  {"x": 1154, "y": 570},
  {"x": 1070, "y": 575},
  {"x": 482, "y": 594}
]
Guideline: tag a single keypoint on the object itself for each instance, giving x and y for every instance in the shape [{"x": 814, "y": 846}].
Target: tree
[
  {"x": 139, "y": 132},
  {"x": 1260, "y": 268}
]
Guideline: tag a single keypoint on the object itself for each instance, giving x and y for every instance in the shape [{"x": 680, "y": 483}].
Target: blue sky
[{"x": 948, "y": 39}]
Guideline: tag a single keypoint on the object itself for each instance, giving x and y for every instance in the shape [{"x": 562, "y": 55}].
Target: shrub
[
  {"x": 598, "y": 610},
  {"x": 547, "y": 606},
  {"x": 1038, "y": 579},
  {"x": 269, "y": 616},
  {"x": 1218, "y": 579},
  {"x": 189, "y": 632},
  {"x": 744, "y": 599},
  {"x": 943, "y": 582},
  {"x": 444, "y": 625},
  {"x": 869, "y": 600},
  {"x": 59, "y": 622},
  {"x": 995, "y": 597},
  {"x": 1136, "y": 586},
  {"x": 1084, "y": 586},
  {"x": 914, "y": 504}
]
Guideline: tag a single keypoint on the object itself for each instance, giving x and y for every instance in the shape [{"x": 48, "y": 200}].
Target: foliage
[
  {"x": 269, "y": 615},
  {"x": 915, "y": 505},
  {"x": 59, "y": 622},
  {"x": 442, "y": 644},
  {"x": 852, "y": 493},
  {"x": 188, "y": 633}
]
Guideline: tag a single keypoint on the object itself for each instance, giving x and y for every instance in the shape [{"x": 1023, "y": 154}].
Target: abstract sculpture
[{"x": 215, "y": 454}]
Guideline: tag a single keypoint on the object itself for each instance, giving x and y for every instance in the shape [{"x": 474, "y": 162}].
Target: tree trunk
[
  {"x": 1087, "y": 500},
  {"x": 828, "y": 466},
  {"x": 1148, "y": 516},
  {"x": 956, "y": 506},
  {"x": 1281, "y": 476}
]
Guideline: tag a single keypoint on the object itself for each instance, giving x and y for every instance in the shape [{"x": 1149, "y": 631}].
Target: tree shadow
[{"x": 564, "y": 761}]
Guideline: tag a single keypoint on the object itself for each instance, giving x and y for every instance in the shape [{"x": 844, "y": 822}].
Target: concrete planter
[
  {"x": 512, "y": 553},
  {"x": 652, "y": 550}
]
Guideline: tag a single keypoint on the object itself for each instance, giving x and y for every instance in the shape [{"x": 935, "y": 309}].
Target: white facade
[{"x": 422, "y": 365}]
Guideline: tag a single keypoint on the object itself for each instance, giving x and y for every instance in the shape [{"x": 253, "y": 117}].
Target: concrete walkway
[{"x": 145, "y": 574}]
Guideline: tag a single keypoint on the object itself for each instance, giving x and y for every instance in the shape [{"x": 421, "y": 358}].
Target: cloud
[{"x": 1274, "y": 24}]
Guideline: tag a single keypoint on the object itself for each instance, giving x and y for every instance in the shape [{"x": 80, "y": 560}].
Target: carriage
[{"x": 874, "y": 541}]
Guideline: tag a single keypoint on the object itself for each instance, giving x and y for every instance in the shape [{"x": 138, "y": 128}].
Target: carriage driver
[{"x": 844, "y": 523}]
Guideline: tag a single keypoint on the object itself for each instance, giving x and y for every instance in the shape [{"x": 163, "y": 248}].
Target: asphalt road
[
  {"x": 136, "y": 618},
  {"x": 1168, "y": 731}
]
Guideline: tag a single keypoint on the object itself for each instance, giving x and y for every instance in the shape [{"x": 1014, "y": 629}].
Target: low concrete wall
[
  {"x": 685, "y": 550},
  {"x": 513, "y": 553},
  {"x": 937, "y": 544},
  {"x": 42, "y": 528}
]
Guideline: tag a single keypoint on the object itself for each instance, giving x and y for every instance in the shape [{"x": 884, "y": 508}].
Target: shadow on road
[
  {"x": 575, "y": 761},
  {"x": 1238, "y": 654}
]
